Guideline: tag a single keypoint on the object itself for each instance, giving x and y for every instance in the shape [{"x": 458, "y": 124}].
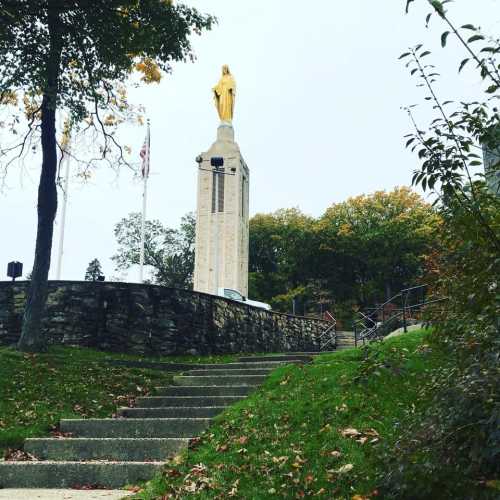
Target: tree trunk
[{"x": 31, "y": 336}]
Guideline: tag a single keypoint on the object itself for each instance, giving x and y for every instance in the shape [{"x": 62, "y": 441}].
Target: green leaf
[
  {"x": 405, "y": 54},
  {"x": 469, "y": 27},
  {"x": 462, "y": 64},
  {"x": 490, "y": 49},
  {"x": 426, "y": 53},
  {"x": 427, "y": 19},
  {"x": 444, "y": 37},
  {"x": 475, "y": 38},
  {"x": 408, "y": 2},
  {"x": 410, "y": 141},
  {"x": 438, "y": 6},
  {"x": 492, "y": 89}
]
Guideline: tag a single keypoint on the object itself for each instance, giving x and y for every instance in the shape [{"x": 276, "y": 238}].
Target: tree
[
  {"x": 452, "y": 443},
  {"x": 372, "y": 246},
  {"x": 360, "y": 251},
  {"x": 93, "y": 271},
  {"x": 70, "y": 54},
  {"x": 280, "y": 249},
  {"x": 170, "y": 252},
  {"x": 451, "y": 147}
]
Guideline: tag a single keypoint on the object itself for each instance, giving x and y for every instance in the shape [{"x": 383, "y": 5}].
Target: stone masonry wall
[{"x": 149, "y": 319}]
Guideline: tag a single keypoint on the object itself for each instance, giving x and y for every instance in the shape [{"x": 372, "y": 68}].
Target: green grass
[
  {"x": 314, "y": 430},
  {"x": 36, "y": 391},
  {"x": 95, "y": 355}
]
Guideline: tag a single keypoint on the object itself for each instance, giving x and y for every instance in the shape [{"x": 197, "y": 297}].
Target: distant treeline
[{"x": 357, "y": 253}]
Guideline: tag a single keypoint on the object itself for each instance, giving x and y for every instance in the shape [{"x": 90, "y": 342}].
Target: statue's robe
[{"x": 225, "y": 92}]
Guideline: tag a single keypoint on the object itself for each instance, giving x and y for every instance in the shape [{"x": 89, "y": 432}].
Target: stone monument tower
[{"x": 221, "y": 254}]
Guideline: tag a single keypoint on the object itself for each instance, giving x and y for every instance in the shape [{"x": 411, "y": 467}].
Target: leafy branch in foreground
[{"x": 450, "y": 148}]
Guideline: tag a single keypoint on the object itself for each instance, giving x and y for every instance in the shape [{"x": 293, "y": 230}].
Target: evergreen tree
[{"x": 94, "y": 270}]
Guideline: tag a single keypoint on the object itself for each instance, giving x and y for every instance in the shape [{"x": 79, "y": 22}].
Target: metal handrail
[
  {"x": 375, "y": 328},
  {"x": 331, "y": 337}
]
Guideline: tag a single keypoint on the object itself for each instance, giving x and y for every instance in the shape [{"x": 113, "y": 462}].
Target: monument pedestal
[{"x": 221, "y": 254}]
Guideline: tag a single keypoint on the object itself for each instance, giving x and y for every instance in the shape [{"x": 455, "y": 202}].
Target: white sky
[{"x": 317, "y": 118}]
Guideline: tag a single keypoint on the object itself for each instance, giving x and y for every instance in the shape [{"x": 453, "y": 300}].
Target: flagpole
[
  {"x": 143, "y": 229},
  {"x": 145, "y": 175},
  {"x": 65, "y": 159}
]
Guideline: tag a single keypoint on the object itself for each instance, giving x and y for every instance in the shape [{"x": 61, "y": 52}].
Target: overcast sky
[{"x": 317, "y": 118}]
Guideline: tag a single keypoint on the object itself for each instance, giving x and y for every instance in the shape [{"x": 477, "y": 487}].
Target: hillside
[{"x": 316, "y": 430}]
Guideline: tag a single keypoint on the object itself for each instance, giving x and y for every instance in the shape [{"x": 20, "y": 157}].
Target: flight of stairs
[
  {"x": 114, "y": 452},
  {"x": 344, "y": 340}
]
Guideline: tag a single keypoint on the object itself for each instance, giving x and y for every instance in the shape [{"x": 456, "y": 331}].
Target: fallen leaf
[
  {"x": 349, "y": 432},
  {"x": 345, "y": 469}
]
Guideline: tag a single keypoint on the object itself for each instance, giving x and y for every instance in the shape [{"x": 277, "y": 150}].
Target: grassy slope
[
  {"x": 286, "y": 439},
  {"x": 38, "y": 390}
]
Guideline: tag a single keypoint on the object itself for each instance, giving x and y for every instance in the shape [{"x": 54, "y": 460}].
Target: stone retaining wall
[{"x": 134, "y": 318}]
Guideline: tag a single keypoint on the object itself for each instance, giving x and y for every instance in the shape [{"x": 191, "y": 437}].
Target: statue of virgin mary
[{"x": 224, "y": 95}]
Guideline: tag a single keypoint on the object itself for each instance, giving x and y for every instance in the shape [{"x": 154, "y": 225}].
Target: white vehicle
[{"x": 229, "y": 293}]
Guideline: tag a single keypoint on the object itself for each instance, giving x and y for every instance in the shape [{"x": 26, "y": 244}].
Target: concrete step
[
  {"x": 186, "y": 401},
  {"x": 309, "y": 353},
  {"x": 238, "y": 366},
  {"x": 190, "y": 381},
  {"x": 212, "y": 390},
  {"x": 114, "y": 449},
  {"x": 174, "y": 412},
  {"x": 176, "y": 367},
  {"x": 135, "y": 427},
  {"x": 281, "y": 357},
  {"x": 232, "y": 372},
  {"x": 70, "y": 474}
]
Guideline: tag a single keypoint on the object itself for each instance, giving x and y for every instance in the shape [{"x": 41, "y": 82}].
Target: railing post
[{"x": 405, "y": 328}]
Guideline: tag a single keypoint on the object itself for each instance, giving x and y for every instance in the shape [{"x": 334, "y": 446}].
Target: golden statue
[{"x": 224, "y": 95}]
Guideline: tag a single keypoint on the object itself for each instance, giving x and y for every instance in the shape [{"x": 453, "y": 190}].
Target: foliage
[
  {"x": 360, "y": 251},
  {"x": 458, "y": 436},
  {"x": 279, "y": 246},
  {"x": 313, "y": 430},
  {"x": 457, "y": 439},
  {"x": 169, "y": 252},
  {"x": 451, "y": 147},
  {"x": 381, "y": 240},
  {"x": 66, "y": 55},
  {"x": 93, "y": 271}
]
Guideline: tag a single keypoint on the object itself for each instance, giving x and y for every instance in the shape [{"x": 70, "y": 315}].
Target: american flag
[{"x": 145, "y": 155}]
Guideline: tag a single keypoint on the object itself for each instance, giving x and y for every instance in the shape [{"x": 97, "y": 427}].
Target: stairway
[
  {"x": 344, "y": 340},
  {"x": 114, "y": 452}
]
